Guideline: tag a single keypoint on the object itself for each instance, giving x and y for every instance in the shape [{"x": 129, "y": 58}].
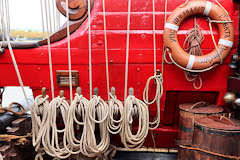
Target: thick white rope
[
  {"x": 39, "y": 109},
  {"x": 54, "y": 13},
  {"x": 77, "y": 112},
  {"x": 48, "y": 25},
  {"x": 90, "y": 147},
  {"x": 50, "y": 139},
  {"x": 134, "y": 107},
  {"x": 49, "y": 16},
  {"x": 115, "y": 108},
  {"x": 5, "y": 16},
  {"x": 158, "y": 79},
  {"x": 106, "y": 49},
  {"x": 69, "y": 52},
  {"x": 127, "y": 49},
  {"x": 90, "y": 49},
  {"x": 42, "y": 16},
  {"x": 154, "y": 38}
]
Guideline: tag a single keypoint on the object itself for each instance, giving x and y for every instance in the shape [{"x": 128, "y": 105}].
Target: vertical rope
[
  {"x": 43, "y": 28},
  {"x": 49, "y": 16},
  {"x": 106, "y": 49},
  {"x": 154, "y": 38},
  {"x": 89, "y": 49},
  {"x": 54, "y": 15},
  {"x": 48, "y": 24},
  {"x": 127, "y": 50},
  {"x": 6, "y": 26},
  {"x": 58, "y": 19},
  {"x": 8, "y": 17},
  {"x": 69, "y": 51}
]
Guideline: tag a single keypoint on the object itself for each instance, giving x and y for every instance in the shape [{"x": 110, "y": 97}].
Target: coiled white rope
[
  {"x": 50, "y": 139},
  {"x": 90, "y": 147},
  {"x": 39, "y": 112},
  {"x": 134, "y": 107},
  {"x": 77, "y": 112},
  {"x": 115, "y": 107},
  {"x": 158, "y": 79}
]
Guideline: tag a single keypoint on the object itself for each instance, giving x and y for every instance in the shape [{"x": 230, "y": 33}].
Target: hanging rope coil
[
  {"x": 39, "y": 112},
  {"x": 115, "y": 109},
  {"x": 158, "y": 79},
  {"x": 194, "y": 38},
  {"x": 97, "y": 113},
  {"x": 134, "y": 106},
  {"x": 50, "y": 139},
  {"x": 77, "y": 111}
]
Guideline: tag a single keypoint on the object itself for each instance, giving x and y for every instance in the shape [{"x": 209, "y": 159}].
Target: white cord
[
  {"x": 154, "y": 38},
  {"x": 43, "y": 28},
  {"x": 90, "y": 52},
  {"x": 48, "y": 24},
  {"x": 106, "y": 49},
  {"x": 69, "y": 52},
  {"x": 127, "y": 50},
  {"x": 54, "y": 14}
]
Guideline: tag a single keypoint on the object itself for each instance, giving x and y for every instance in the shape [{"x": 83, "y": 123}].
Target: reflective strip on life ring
[{"x": 205, "y": 8}]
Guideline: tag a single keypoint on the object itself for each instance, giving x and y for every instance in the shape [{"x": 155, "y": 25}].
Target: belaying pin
[
  {"x": 113, "y": 91},
  {"x": 131, "y": 91},
  {"x": 79, "y": 91},
  {"x": 44, "y": 92},
  {"x": 61, "y": 93},
  {"x": 95, "y": 91}
]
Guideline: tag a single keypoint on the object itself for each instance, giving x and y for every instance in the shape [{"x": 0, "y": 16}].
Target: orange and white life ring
[{"x": 205, "y": 8}]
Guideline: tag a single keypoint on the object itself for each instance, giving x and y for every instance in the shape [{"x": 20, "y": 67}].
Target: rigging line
[
  {"x": 7, "y": 33},
  {"x": 8, "y": 16},
  {"x": 49, "y": 16},
  {"x": 154, "y": 39},
  {"x": 54, "y": 15},
  {"x": 164, "y": 49},
  {"x": 106, "y": 49},
  {"x": 89, "y": 45},
  {"x": 127, "y": 50},
  {"x": 43, "y": 28},
  {"x": 2, "y": 25},
  {"x": 48, "y": 24},
  {"x": 57, "y": 18},
  {"x": 69, "y": 52}
]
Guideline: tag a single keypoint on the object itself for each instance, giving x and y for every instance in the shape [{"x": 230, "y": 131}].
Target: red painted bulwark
[{"x": 34, "y": 68}]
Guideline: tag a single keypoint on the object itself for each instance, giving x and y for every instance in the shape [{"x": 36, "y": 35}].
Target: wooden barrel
[
  {"x": 216, "y": 138},
  {"x": 189, "y": 112}
]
